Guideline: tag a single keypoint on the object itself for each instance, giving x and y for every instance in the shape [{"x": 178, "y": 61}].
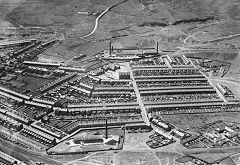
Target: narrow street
[{"x": 143, "y": 109}]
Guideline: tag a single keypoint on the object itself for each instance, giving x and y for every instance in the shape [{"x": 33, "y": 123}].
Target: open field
[
  {"x": 106, "y": 158},
  {"x": 133, "y": 157},
  {"x": 29, "y": 82},
  {"x": 129, "y": 158},
  {"x": 136, "y": 141},
  {"x": 213, "y": 157},
  {"x": 121, "y": 23},
  {"x": 33, "y": 83},
  {"x": 193, "y": 121}
]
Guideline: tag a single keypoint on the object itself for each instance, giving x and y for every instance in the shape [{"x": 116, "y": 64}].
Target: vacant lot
[
  {"x": 193, "y": 121},
  {"x": 33, "y": 83}
]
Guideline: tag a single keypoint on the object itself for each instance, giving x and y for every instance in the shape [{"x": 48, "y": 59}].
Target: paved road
[
  {"x": 96, "y": 23},
  {"x": 226, "y": 80},
  {"x": 143, "y": 109},
  {"x": 217, "y": 90},
  {"x": 100, "y": 16}
]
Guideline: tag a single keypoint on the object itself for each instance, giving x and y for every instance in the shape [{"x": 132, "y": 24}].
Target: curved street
[
  {"x": 96, "y": 23},
  {"x": 100, "y": 16}
]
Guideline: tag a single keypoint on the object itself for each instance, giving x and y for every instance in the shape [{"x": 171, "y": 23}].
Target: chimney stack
[
  {"x": 110, "y": 48},
  {"x": 106, "y": 133},
  {"x": 157, "y": 46}
]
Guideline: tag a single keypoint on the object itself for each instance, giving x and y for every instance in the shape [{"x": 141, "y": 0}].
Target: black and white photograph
[{"x": 119, "y": 82}]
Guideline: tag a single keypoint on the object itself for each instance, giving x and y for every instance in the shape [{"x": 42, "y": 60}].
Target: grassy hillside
[
  {"x": 76, "y": 18},
  {"x": 64, "y": 13}
]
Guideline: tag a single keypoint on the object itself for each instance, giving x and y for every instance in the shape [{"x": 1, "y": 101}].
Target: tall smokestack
[
  {"x": 106, "y": 133},
  {"x": 157, "y": 46},
  {"x": 110, "y": 48}
]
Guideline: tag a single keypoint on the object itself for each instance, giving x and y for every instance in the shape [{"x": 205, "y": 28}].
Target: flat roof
[
  {"x": 137, "y": 67},
  {"x": 47, "y": 131},
  {"x": 107, "y": 105},
  {"x": 181, "y": 102},
  {"x": 39, "y": 132},
  {"x": 36, "y": 104},
  {"x": 43, "y": 101},
  {"x": 110, "y": 92},
  {"x": 178, "y": 90},
  {"x": 154, "y": 69},
  {"x": 114, "y": 88},
  {"x": 192, "y": 105},
  {"x": 164, "y": 80},
  {"x": 41, "y": 63},
  {"x": 168, "y": 76},
  {"x": 175, "y": 88},
  {"x": 72, "y": 68},
  {"x": 14, "y": 93},
  {"x": 11, "y": 97},
  {"x": 111, "y": 80}
]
